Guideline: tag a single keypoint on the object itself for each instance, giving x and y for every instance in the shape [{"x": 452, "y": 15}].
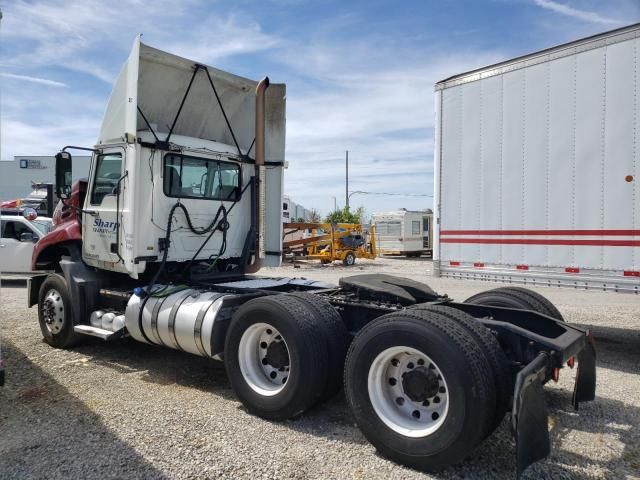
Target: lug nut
[
  {"x": 434, "y": 416},
  {"x": 392, "y": 381},
  {"x": 400, "y": 401},
  {"x": 415, "y": 414}
]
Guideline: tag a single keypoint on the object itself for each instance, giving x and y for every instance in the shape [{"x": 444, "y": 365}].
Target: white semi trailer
[
  {"x": 184, "y": 204},
  {"x": 537, "y": 168}
]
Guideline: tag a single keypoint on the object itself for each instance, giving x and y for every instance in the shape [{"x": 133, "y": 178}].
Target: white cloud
[
  {"x": 376, "y": 103},
  {"x": 215, "y": 37},
  {"x": 41, "y": 81},
  {"x": 583, "y": 15}
]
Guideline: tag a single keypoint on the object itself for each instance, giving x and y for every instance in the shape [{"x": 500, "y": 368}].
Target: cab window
[
  {"x": 108, "y": 172},
  {"x": 192, "y": 177}
]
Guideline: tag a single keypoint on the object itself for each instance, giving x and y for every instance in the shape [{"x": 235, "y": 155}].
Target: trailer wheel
[
  {"x": 349, "y": 259},
  {"x": 336, "y": 335},
  {"x": 516, "y": 297},
  {"x": 500, "y": 365},
  {"x": 420, "y": 388},
  {"x": 276, "y": 356},
  {"x": 55, "y": 313}
]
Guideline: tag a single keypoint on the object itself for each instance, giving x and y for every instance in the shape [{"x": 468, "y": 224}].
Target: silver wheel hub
[
  {"x": 408, "y": 391},
  {"x": 53, "y": 311},
  {"x": 264, "y": 359}
]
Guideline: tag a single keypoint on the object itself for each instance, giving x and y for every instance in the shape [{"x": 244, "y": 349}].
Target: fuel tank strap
[
  {"x": 172, "y": 319},
  {"x": 154, "y": 319},
  {"x": 197, "y": 330}
]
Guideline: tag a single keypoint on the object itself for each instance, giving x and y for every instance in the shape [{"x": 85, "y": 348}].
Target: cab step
[{"x": 98, "y": 332}]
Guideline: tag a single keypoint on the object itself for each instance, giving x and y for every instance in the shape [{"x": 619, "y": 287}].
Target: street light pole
[{"x": 346, "y": 192}]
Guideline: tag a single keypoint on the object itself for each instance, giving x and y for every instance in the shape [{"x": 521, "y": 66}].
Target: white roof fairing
[{"x": 156, "y": 82}]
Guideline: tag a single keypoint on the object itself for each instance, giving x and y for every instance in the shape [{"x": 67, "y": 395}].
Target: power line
[{"x": 391, "y": 194}]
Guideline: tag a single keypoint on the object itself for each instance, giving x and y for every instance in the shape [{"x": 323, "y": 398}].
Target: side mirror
[
  {"x": 28, "y": 237},
  {"x": 30, "y": 213},
  {"x": 63, "y": 174}
]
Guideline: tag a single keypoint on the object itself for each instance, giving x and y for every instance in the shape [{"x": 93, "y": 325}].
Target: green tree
[
  {"x": 314, "y": 216},
  {"x": 345, "y": 215}
]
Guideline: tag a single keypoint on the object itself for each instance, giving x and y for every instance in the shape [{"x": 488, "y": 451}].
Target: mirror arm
[{"x": 95, "y": 150}]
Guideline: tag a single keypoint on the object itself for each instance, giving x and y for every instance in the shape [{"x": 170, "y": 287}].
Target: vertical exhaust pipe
[{"x": 260, "y": 176}]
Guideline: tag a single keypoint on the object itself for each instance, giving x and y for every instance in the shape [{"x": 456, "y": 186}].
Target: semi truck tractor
[
  {"x": 537, "y": 168},
  {"x": 183, "y": 206}
]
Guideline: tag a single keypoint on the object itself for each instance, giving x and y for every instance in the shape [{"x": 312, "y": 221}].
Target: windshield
[{"x": 44, "y": 226}]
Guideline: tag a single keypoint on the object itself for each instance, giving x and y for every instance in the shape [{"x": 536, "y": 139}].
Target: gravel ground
[{"x": 128, "y": 410}]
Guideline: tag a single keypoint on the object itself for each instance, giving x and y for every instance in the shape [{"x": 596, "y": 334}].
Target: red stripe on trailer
[
  {"x": 572, "y": 270},
  {"x": 454, "y": 264},
  {"x": 596, "y": 233},
  {"x": 478, "y": 264},
  {"x": 631, "y": 273},
  {"x": 544, "y": 241},
  {"x": 522, "y": 267}
]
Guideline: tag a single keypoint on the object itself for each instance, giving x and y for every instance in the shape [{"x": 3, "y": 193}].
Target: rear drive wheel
[
  {"x": 500, "y": 365},
  {"x": 420, "y": 388},
  {"x": 55, "y": 313},
  {"x": 516, "y": 297},
  {"x": 336, "y": 336},
  {"x": 276, "y": 356},
  {"x": 349, "y": 259}
]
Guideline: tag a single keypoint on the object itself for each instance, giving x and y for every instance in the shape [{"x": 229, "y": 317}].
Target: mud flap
[
  {"x": 584, "y": 389},
  {"x": 529, "y": 414}
]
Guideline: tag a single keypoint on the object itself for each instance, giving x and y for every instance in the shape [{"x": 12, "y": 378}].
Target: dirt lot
[{"x": 130, "y": 410}]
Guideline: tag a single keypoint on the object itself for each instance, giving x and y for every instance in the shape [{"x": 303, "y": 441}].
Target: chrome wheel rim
[
  {"x": 264, "y": 359},
  {"x": 408, "y": 391},
  {"x": 53, "y": 311}
]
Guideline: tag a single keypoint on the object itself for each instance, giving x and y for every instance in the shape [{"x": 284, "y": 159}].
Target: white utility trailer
[
  {"x": 537, "y": 167},
  {"x": 399, "y": 232}
]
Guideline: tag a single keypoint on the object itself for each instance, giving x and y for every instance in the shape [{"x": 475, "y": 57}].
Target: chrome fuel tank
[{"x": 182, "y": 320}]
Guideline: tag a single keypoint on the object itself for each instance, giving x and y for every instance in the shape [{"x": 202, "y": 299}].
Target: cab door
[{"x": 100, "y": 246}]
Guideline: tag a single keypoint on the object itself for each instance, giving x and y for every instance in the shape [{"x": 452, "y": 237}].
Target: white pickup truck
[{"x": 18, "y": 236}]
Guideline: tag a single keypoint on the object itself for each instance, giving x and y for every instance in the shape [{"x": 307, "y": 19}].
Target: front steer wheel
[
  {"x": 420, "y": 388},
  {"x": 55, "y": 313},
  {"x": 276, "y": 356}
]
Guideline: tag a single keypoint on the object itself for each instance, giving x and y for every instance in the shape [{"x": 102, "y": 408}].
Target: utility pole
[{"x": 346, "y": 192}]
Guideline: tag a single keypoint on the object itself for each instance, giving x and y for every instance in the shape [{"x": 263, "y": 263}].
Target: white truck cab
[{"x": 176, "y": 144}]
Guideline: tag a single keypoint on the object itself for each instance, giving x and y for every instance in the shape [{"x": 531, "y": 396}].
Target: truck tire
[
  {"x": 349, "y": 259},
  {"x": 55, "y": 313},
  {"x": 336, "y": 336},
  {"x": 502, "y": 370},
  {"x": 516, "y": 297},
  {"x": 276, "y": 356},
  {"x": 420, "y": 388}
]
